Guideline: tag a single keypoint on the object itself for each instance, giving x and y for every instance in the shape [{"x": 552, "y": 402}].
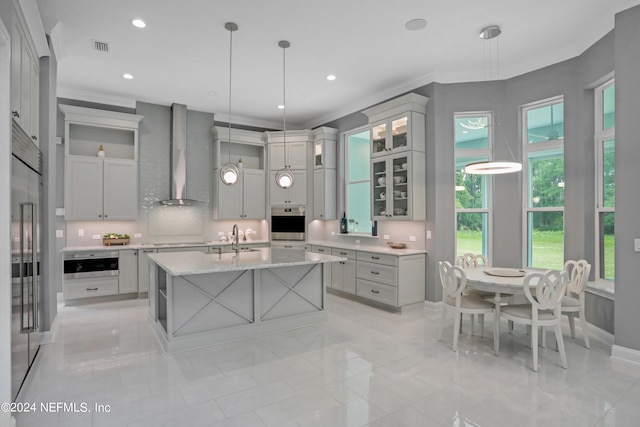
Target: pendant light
[
  {"x": 284, "y": 176},
  {"x": 490, "y": 167},
  {"x": 229, "y": 172}
]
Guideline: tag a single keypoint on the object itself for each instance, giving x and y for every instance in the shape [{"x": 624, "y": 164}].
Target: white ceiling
[{"x": 183, "y": 53}]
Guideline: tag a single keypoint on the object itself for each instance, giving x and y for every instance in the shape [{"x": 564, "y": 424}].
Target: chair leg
[
  {"x": 572, "y": 325},
  {"x": 460, "y": 328},
  {"x": 473, "y": 318},
  {"x": 443, "y": 318},
  {"x": 534, "y": 347},
  {"x": 496, "y": 332},
  {"x": 585, "y": 332},
  {"x": 456, "y": 332},
  {"x": 560, "y": 341},
  {"x": 481, "y": 319},
  {"x": 543, "y": 338}
]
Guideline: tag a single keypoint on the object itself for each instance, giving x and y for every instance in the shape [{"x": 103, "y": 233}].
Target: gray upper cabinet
[
  {"x": 292, "y": 151},
  {"x": 324, "y": 173},
  {"x": 100, "y": 187}
]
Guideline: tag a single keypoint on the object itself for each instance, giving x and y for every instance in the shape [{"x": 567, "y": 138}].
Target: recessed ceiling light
[
  {"x": 331, "y": 77},
  {"x": 281, "y": 107},
  {"x": 212, "y": 93},
  {"x": 415, "y": 24},
  {"x": 127, "y": 76},
  {"x": 139, "y": 23}
]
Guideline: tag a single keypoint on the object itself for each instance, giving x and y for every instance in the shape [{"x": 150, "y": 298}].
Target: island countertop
[{"x": 186, "y": 263}]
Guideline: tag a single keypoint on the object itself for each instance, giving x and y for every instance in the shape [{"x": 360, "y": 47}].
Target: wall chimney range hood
[{"x": 178, "y": 158}]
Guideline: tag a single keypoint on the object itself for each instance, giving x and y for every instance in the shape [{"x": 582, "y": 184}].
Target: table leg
[{"x": 496, "y": 323}]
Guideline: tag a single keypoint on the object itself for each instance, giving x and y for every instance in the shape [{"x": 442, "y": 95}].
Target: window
[
  {"x": 605, "y": 179},
  {"x": 544, "y": 184},
  {"x": 358, "y": 191},
  {"x": 472, "y": 134}
]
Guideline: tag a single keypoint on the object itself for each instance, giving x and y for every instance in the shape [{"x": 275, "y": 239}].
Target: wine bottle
[{"x": 343, "y": 224}]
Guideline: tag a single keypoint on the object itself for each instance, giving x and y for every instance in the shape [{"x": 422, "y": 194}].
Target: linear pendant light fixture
[
  {"x": 284, "y": 176},
  {"x": 229, "y": 172},
  {"x": 491, "y": 167}
]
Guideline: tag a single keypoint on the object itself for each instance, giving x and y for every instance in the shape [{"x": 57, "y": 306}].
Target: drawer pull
[
  {"x": 320, "y": 250},
  {"x": 373, "y": 291},
  {"x": 91, "y": 289},
  {"x": 288, "y": 246},
  {"x": 375, "y": 273},
  {"x": 343, "y": 253},
  {"x": 375, "y": 257}
]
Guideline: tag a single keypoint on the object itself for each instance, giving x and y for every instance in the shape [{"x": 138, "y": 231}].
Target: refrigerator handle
[
  {"x": 30, "y": 327},
  {"x": 21, "y": 268},
  {"x": 34, "y": 268}
]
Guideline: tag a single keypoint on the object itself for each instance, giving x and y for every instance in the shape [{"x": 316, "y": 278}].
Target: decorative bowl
[
  {"x": 399, "y": 211},
  {"x": 404, "y": 166},
  {"x": 399, "y": 179},
  {"x": 382, "y": 180},
  {"x": 396, "y": 245}
]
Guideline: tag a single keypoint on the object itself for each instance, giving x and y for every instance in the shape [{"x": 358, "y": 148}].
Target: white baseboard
[
  {"x": 626, "y": 354},
  {"x": 434, "y": 306},
  {"x": 49, "y": 336}
]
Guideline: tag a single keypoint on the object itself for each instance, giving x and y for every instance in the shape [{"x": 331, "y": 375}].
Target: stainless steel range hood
[{"x": 178, "y": 155}]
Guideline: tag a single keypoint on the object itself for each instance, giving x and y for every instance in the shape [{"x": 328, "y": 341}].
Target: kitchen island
[{"x": 199, "y": 299}]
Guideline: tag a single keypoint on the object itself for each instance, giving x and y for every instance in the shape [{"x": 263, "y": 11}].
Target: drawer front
[
  {"x": 346, "y": 253},
  {"x": 377, "y": 273},
  {"x": 377, "y": 292},
  {"x": 377, "y": 258},
  {"x": 90, "y": 288},
  {"x": 321, "y": 249}
]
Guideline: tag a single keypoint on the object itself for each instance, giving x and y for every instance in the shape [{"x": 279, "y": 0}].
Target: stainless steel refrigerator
[{"x": 26, "y": 178}]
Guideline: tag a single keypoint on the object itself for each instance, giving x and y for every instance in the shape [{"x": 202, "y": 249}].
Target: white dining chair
[
  {"x": 471, "y": 260},
  {"x": 573, "y": 301},
  {"x": 544, "y": 292},
  {"x": 454, "y": 281}
]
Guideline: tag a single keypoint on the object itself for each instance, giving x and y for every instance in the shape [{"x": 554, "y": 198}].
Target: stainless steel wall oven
[{"x": 288, "y": 223}]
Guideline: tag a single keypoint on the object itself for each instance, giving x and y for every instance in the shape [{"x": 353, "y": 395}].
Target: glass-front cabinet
[
  {"x": 383, "y": 142},
  {"x": 392, "y": 187}
]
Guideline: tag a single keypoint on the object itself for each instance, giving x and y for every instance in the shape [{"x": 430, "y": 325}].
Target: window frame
[
  {"x": 345, "y": 139},
  {"x": 532, "y": 148},
  {"x": 476, "y": 152},
  {"x": 600, "y": 137}
]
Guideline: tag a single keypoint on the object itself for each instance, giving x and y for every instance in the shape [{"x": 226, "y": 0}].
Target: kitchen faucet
[{"x": 236, "y": 238}]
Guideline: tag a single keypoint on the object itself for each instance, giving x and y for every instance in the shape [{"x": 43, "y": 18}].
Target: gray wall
[{"x": 627, "y": 67}]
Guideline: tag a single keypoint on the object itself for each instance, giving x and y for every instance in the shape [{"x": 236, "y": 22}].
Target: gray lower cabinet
[
  {"x": 343, "y": 273},
  {"x": 128, "y": 271},
  {"x": 143, "y": 269}
]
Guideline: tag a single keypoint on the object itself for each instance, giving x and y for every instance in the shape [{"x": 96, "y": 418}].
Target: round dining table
[{"x": 511, "y": 283}]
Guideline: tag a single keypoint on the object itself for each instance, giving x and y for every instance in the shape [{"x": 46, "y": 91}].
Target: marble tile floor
[{"x": 364, "y": 367}]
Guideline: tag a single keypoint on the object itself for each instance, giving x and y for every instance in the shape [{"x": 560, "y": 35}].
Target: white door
[
  {"x": 120, "y": 189},
  {"x": 276, "y": 156},
  {"x": 254, "y": 197},
  {"x": 229, "y": 199},
  {"x": 83, "y": 198},
  {"x": 298, "y": 191},
  {"x": 279, "y": 196},
  {"x": 128, "y": 271},
  {"x": 297, "y": 154}
]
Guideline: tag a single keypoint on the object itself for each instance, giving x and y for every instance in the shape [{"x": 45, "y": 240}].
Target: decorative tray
[
  {"x": 505, "y": 272},
  {"x": 396, "y": 245},
  {"x": 110, "y": 242}
]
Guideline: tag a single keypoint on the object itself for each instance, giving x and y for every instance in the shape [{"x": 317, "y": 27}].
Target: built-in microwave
[{"x": 288, "y": 223}]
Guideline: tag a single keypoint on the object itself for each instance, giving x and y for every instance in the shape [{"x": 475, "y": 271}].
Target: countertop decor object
[
  {"x": 505, "y": 272},
  {"x": 115, "y": 239},
  {"x": 395, "y": 245}
]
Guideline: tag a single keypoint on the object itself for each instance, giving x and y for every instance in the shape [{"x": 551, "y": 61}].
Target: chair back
[
  {"x": 453, "y": 279},
  {"x": 549, "y": 288},
  {"x": 470, "y": 260},
  {"x": 578, "y": 275}
]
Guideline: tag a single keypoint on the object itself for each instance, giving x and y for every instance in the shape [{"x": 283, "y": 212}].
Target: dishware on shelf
[
  {"x": 397, "y": 193},
  {"x": 399, "y": 211},
  {"x": 404, "y": 166},
  {"x": 382, "y": 180},
  {"x": 403, "y": 194},
  {"x": 382, "y": 196},
  {"x": 383, "y": 213},
  {"x": 396, "y": 245},
  {"x": 399, "y": 179}
]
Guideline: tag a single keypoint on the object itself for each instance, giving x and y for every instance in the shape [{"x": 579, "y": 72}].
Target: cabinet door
[
  {"x": 349, "y": 276},
  {"x": 83, "y": 188},
  {"x": 324, "y": 194},
  {"x": 254, "y": 194},
  {"x": 143, "y": 269},
  {"x": 128, "y": 271},
  {"x": 298, "y": 191},
  {"x": 379, "y": 145},
  {"x": 17, "y": 39},
  {"x": 337, "y": 275},
  {"x": 229, "y": 199},
  {"x": 399, "y": 140},
  {"x": 25, "y": 89},
  {"x": 279, "y": 196},
  {"x": 297, "y": 155},
  {"x": 399, "y": 196},
  {"x": 380, "y": 186},
  {"x": 34, "y": 102},
  {"x": 276, "y": 156},
  {"x": 120, "y": 189}
]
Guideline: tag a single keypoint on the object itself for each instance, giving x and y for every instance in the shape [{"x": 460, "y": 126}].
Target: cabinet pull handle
[
  {"x": 99, "y": 215},
  {"x": 374, "y": 291},
  {"x": 343, "y": 253},
  {"x": 375, "y": 257},
  {"x": 35, "y": 138},
  {"x": 105, "y": 215},
  {"x": 375, "y": 273},
  {"x": 15, "y": 114},
  {"x": 288, "y": 246},
  {"x": 91, "y": 289}
]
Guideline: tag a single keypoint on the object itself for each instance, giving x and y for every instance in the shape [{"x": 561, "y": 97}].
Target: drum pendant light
[
  {"x": 229, "y": 172},
  {"x": 284, "y": 176},
  {"x": 491, "y": 167}
]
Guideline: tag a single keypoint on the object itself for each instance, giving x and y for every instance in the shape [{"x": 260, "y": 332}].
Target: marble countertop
[
  {"x": 185, "y": 263},
  {"x": 156, "y": 246},
  {"x": 368, "y": 248}
]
